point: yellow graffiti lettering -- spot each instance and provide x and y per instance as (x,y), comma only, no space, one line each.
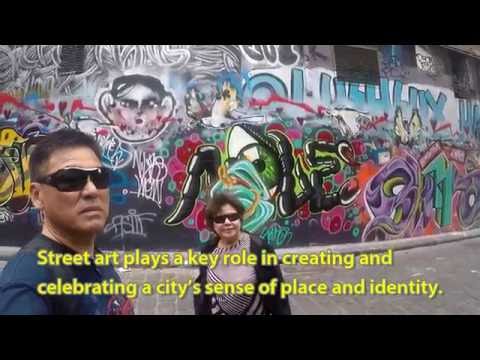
(14,172)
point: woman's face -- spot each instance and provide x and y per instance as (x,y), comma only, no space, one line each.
(227,228)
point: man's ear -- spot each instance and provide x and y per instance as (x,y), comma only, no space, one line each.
(36,195)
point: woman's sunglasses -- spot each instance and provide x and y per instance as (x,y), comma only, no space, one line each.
(75,179)
(221,218)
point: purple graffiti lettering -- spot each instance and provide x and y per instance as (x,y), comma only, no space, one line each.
(469,200)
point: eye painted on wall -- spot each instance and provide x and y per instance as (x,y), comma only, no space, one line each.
(152,104)
(265,163)
(130,104)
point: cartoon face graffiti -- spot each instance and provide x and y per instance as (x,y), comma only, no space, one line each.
(138,107)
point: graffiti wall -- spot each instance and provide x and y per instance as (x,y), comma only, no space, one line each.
(314,160)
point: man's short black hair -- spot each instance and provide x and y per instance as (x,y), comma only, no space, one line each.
(61,139)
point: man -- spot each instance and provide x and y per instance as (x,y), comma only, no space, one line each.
(70,188)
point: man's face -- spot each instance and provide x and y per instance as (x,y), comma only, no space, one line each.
(84,211)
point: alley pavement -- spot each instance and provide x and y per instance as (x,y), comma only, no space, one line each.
(455,266)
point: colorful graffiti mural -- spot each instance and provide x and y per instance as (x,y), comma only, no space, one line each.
(314,159)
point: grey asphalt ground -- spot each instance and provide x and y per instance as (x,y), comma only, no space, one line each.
(455,266)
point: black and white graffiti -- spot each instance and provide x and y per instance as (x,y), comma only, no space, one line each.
(25,68)
(138,107)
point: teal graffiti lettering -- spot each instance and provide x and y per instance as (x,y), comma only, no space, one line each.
(442,173)
(436,106)
(297,85)
(381,104)
(351,94)
(469,117)
(357,96)
(325,91)
(276,235)
(265,81)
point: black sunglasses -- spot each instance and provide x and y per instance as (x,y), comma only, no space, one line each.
(221,218)
(75,179)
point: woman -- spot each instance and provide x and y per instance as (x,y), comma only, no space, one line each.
(224,215)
